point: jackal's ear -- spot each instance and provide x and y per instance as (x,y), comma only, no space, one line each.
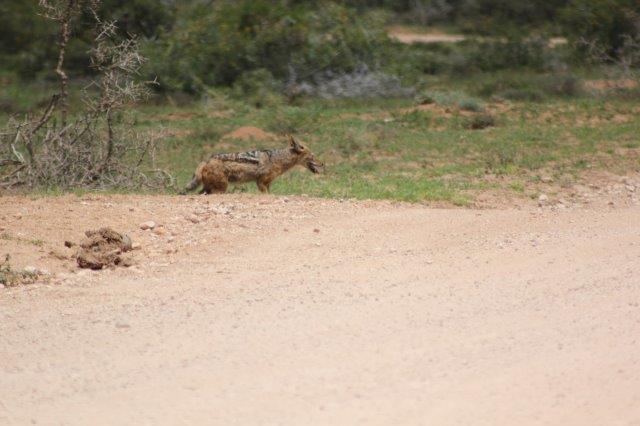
(294,144)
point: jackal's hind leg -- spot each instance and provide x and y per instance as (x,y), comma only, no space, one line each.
(216,187)
(214,178)
(263,187)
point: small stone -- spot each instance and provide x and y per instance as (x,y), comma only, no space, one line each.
(546,179)
(31,270)
(136,246)
(631,188)
(193,218)
(159,231)
(2,286)
(316,230)
(542,199)
(147,225)
(122,325)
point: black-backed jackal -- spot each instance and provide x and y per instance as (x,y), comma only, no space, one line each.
(261,166)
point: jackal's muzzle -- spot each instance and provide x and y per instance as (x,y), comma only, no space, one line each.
(315,167)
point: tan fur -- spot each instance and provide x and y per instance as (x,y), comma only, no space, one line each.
(262,167)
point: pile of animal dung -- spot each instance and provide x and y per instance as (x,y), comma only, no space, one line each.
(103,248)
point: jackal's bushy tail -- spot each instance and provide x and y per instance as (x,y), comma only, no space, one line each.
(196,181)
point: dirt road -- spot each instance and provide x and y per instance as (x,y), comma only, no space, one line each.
(265,310)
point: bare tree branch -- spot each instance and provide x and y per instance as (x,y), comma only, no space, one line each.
(96,146)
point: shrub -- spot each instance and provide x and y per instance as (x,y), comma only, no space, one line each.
(259,88)
(90,148)
(481,121)
(26,35)
(215,45)
(605,24)
(513,53)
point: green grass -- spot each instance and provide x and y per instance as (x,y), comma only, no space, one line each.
(398,149)
(394,150)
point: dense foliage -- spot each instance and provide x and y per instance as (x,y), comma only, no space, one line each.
(216,45)
(26,36)
(277,44)
(612,25)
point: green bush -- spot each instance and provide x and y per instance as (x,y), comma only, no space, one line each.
(28,40)
(496,55)
(605,24)
(259,88)
(480,121)
(473,56)
(215,45)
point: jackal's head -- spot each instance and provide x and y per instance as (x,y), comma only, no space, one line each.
(305,157)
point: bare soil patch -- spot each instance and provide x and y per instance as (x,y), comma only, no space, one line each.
(250,133)
(409,36)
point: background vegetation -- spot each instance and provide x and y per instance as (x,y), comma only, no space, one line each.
(519,96)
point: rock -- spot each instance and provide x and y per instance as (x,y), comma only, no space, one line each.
(316,230)
(193,218)
(147,225)
(546,179)
(543,199)
(630,188)
(136,246)
(2,286)
(32,270)
(159,231)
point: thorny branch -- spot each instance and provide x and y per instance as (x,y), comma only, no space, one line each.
(95,147)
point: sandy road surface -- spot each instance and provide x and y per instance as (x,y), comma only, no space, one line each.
(387,314)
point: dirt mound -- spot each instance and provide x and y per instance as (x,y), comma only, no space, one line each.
(248,133)
(103,248)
